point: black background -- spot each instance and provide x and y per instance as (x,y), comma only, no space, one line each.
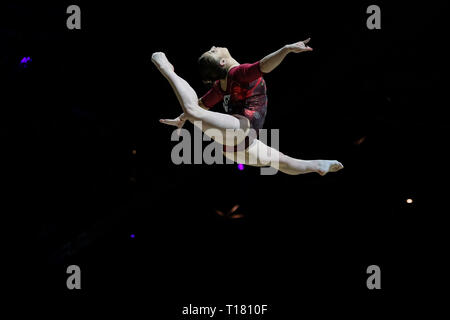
(74,191)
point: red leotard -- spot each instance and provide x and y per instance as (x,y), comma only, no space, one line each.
(245,94)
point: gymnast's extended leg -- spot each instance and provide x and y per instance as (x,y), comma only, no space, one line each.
(189,101)
(260,154)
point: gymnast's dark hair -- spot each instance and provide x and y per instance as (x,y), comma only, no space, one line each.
(210,69)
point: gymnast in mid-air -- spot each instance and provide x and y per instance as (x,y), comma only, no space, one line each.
(242,89)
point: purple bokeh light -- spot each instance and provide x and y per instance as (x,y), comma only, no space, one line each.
(25,59)
(240,166)
(132,235)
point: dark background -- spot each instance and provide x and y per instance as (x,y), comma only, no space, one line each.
(74,191)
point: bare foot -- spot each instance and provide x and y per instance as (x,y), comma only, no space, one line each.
(325,166)
(161,62)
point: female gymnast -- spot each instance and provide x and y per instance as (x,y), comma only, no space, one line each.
(242,89)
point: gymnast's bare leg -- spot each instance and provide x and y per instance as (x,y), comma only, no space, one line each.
(189,101)
(259,154)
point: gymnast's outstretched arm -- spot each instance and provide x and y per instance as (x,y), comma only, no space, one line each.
(273,60)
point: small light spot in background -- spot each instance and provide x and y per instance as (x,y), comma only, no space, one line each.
(240,166)
(24,62)
(25,59)
(359,141)
(133,152)
(231,214)
(409,200)
(132,235)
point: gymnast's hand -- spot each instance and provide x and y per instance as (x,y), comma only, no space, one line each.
(299,46)
(177,122)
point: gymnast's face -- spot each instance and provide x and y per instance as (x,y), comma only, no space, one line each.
(219,53)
